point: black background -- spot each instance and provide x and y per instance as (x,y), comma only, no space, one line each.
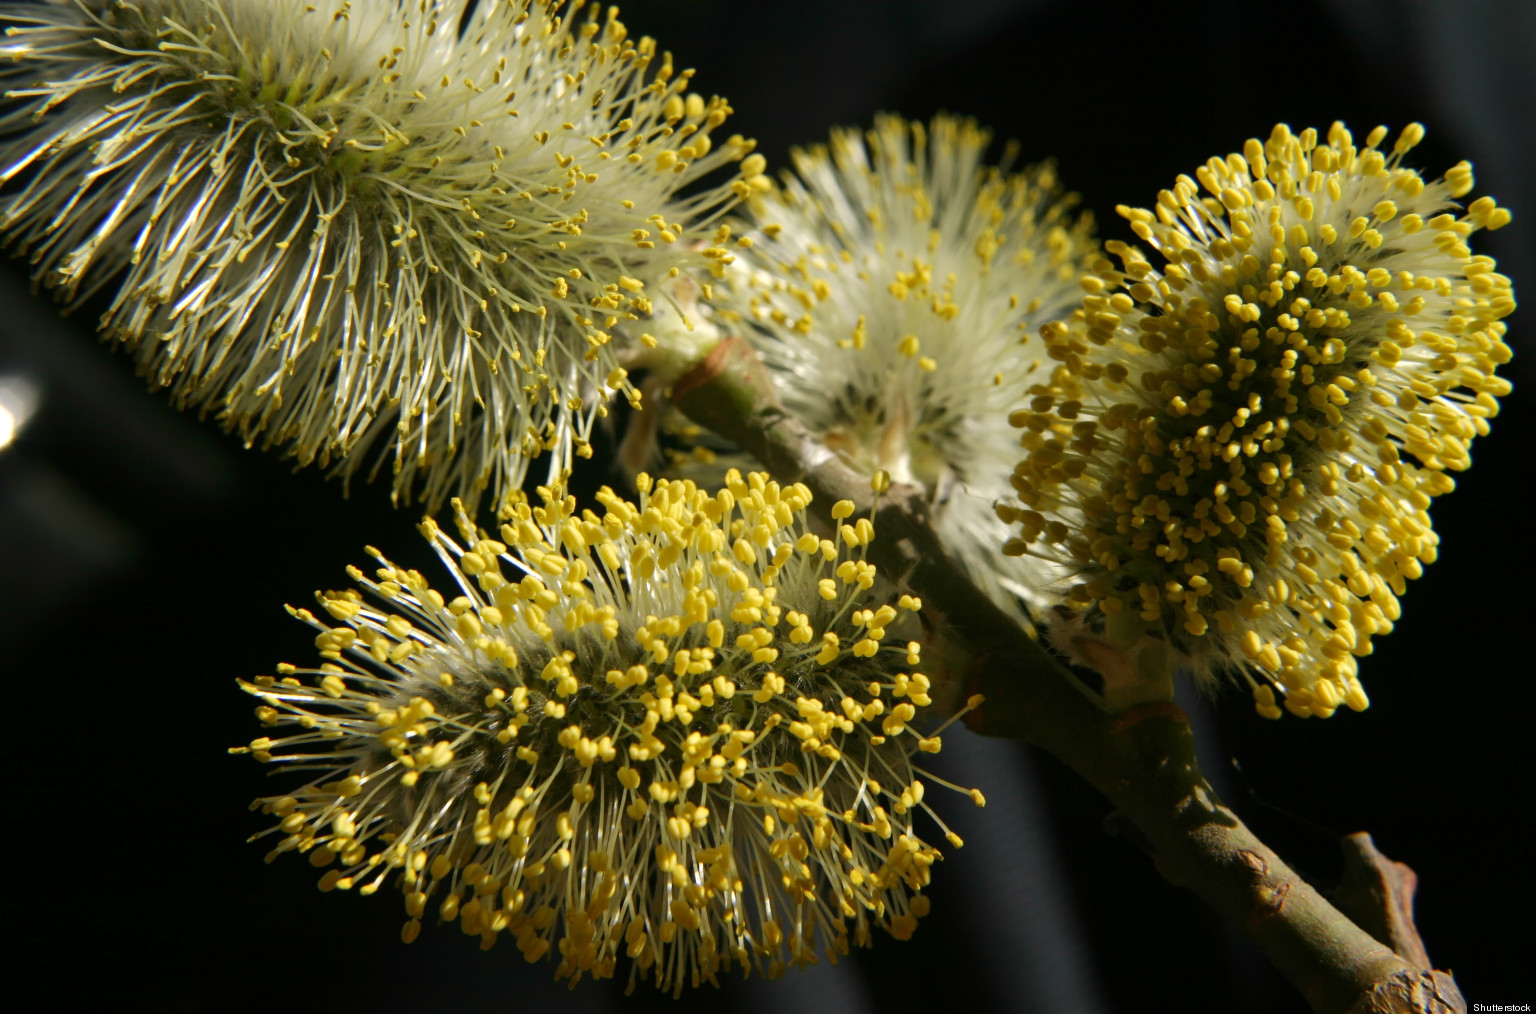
(144,558)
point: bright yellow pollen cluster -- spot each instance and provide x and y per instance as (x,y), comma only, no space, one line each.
(434,215)
(681,731)
(1266,417)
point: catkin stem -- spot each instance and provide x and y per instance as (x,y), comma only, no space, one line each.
(1143,761)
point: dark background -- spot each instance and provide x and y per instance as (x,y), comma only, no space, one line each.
(144,558)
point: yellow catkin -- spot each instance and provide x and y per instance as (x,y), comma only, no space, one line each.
(595,724)
(1268,414)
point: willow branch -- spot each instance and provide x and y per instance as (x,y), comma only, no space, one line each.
(1143,761)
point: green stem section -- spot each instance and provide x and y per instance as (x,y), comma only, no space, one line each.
(1143,760)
